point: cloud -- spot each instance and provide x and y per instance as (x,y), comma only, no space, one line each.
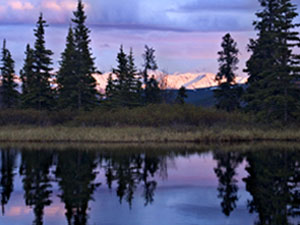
(66,5)
(18,5)
(139,15)
(167,15)
(52,5)
(218,5)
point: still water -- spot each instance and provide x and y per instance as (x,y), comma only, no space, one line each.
(149,186)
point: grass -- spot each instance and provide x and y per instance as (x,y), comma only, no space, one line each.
(149,124)
(31,134)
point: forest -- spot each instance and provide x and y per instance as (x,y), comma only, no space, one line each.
(133,95)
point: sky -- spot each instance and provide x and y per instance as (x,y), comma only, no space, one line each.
(185,33)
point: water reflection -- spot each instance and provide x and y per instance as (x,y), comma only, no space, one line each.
(273,182)
(75,174)
(80,179)
(227,162)
(34,169)
(8,158)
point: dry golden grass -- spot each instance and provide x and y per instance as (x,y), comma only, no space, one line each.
(142,134)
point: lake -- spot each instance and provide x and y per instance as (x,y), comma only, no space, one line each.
(150,185)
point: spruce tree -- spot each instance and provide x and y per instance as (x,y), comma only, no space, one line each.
(152,90)
(27,77)
(66,77)
(273,66)
(9,93)
(85,83)
(134,81)
(43,95)
(120,97)
(228,93)
(181,95)
(125,90)
(110,88)
(149,62)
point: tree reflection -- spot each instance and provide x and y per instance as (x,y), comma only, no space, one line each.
(227,162)
(130,171)
(8,158)
(76,176)
(273,182)
(35,168)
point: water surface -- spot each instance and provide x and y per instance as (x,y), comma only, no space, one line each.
(142,186)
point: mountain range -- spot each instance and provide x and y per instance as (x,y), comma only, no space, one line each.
(190,81)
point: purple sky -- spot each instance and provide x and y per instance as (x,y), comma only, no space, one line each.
(185,33)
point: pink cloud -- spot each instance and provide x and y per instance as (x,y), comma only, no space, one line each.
(18,5)
(52,5)
(69,5)
(63,6)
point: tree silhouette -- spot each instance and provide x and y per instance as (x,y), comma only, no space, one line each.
(273,182)
(76,176)
(181,95)
(227,162)
(84,83)
(273,66)
(9,93)
(66,77)
(8,158)
(42,92)
(27,77)
(228,93)
(133,170)
(36,180)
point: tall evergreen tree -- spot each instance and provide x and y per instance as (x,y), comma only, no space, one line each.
(273,66)
(149,62)
(27,77)
(125,90)
(41,88)
(152,90)
(66,77)
(9,93)
(85,83)
(119,95)
(228,94)
(134,81)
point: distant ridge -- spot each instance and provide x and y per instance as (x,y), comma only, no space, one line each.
(191,81)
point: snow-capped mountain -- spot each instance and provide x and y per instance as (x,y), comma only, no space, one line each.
(190,81)
(174,81)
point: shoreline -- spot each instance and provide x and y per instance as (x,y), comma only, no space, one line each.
(144,135)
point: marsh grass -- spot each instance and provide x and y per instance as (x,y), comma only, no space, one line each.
(143,134)
(147,116)
(149,124)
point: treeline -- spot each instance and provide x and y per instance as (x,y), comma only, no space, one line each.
(272,91)
(73,86)
(153,115)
